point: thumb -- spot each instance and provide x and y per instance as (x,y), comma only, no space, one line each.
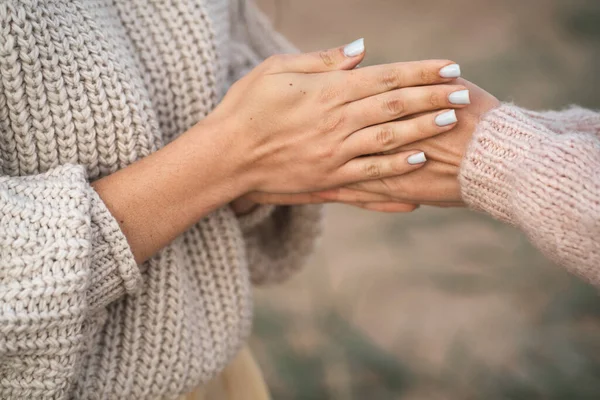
(340,58)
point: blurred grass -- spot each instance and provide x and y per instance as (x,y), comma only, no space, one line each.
(441,304)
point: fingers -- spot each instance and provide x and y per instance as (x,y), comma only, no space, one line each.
(341,58)
(376,201)
(446,204)
(387,207)
(378,167)
(417,187)
(370,81)
(347,195)
(391,135)
(404,102)
(286,199)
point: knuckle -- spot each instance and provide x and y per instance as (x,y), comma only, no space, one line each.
(326,152)
(435,98)
(372,170)
(391,80)
(394,106)
(327,57)
(332,122)
(385,136)
(428,76)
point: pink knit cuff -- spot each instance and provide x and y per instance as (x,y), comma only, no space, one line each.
(500,142)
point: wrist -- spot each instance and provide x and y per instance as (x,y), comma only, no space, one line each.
(215,175)
(231,142)
(503,137)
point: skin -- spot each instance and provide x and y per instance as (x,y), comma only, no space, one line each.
(296,124)
(435,184)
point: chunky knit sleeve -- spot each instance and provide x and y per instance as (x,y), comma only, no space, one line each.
(541,173)
(62,254)
(278,239)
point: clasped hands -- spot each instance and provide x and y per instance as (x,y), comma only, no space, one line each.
(385,138)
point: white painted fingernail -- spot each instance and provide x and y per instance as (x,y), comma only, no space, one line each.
(418,158)
(460,97)
(450,71)
(355,48)
(447,118)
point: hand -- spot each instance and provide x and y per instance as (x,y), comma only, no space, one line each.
(437,182)
(370,201)
(300,123)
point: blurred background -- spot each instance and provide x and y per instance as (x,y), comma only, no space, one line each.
(440,304)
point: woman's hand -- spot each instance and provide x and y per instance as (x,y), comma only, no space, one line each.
(370,201)
(300,123)
(437,182)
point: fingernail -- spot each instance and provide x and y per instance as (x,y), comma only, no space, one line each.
(355,48)
(418,158)
(459,97)
(450,71)
(447,118)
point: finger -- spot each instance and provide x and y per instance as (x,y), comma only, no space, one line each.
(391,135)
(286,199)
(415,187)
(346,195)
(387,207)
(340,58)
(445,204)
(404,102)
(379,167)
(370,81)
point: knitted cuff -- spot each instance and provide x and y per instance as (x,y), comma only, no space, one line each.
(70,243)
(502,139)
(114,270)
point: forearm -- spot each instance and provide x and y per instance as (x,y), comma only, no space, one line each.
(159,197)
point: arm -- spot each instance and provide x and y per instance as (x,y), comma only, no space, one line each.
(537,171)
(159,197)
(544,181)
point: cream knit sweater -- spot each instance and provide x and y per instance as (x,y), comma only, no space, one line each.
(88,87)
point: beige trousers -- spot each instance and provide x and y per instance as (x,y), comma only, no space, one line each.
(241,380)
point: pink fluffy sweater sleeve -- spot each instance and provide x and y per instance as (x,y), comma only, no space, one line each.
(540,171)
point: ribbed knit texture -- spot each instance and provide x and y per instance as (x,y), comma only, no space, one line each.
(86,88)
(540,171)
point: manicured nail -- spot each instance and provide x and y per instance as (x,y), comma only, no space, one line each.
(355,48)
(460,97)
(418,158)
(447,118)
(450,71)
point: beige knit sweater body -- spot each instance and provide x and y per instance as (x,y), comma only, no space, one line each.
(86,88)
